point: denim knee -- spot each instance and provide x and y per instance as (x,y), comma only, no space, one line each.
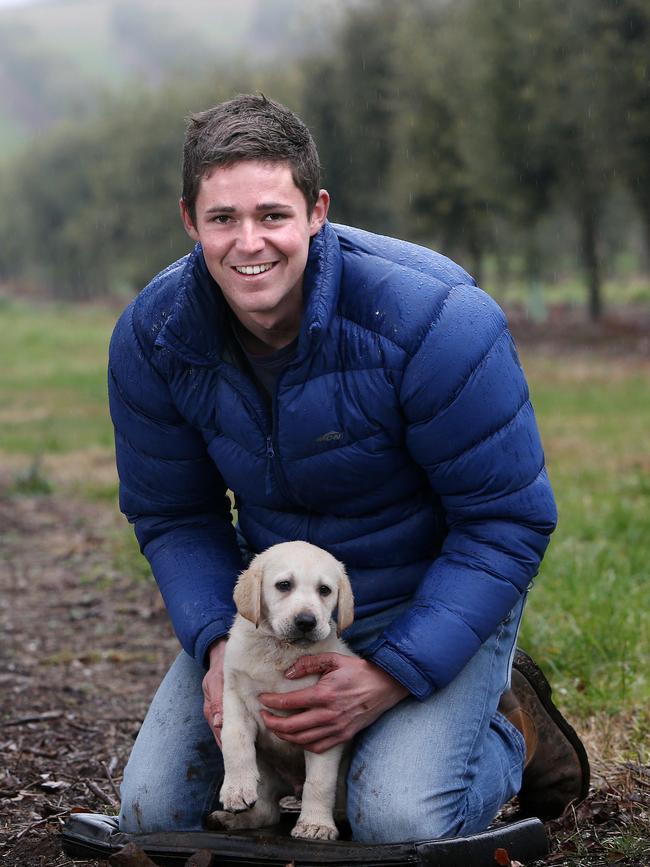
(141,812)
(167,796)
(387,804)
(393,811)
(175,767)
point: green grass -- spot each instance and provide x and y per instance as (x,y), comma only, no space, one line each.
(567,292)
(53,383)
(588,619)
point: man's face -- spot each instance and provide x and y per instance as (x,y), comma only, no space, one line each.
(253,225)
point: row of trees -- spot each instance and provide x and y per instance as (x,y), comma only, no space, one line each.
(477,126)
(493,117)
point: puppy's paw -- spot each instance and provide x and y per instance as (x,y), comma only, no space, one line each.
(237,797)
(308,831)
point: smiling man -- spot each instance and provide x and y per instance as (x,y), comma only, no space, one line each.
(360,393)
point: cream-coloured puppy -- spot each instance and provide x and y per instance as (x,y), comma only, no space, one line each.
(285,602)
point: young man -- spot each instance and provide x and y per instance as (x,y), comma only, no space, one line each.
(363,394)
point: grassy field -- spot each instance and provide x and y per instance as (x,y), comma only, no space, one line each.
(53,383)
(588,618)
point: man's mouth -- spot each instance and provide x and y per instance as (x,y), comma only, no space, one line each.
(251,270)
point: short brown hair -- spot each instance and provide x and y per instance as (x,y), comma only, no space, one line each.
(248,127)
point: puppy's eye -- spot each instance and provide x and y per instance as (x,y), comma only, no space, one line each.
(324,590)
(283,586)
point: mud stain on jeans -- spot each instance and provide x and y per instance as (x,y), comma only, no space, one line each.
(205,748)
(137,811)
(192,772)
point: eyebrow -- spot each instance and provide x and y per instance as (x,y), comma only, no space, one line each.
(262,206)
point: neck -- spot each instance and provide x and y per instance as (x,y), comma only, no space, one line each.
(264,338)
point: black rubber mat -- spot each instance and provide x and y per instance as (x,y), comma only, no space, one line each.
(92,835)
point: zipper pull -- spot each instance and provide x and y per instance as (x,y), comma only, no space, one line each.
(270,454)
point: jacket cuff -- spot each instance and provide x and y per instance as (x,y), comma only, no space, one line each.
(209,634)
(386,657)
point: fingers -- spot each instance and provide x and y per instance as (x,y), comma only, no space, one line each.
(213,701)
(319,663)
(214,718)
(316,737)
(300,722)
(325,744)
(310,696)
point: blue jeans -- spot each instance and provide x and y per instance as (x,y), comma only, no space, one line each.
(424,770)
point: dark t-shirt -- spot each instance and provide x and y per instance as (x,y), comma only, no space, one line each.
(266,369)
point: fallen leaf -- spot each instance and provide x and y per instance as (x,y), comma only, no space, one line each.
(202,858)
(502,858)
(131,856)
(54,785)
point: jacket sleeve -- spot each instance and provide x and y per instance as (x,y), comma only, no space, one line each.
(471,427)
(173,494)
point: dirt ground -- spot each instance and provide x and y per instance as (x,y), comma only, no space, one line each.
(82,653)
(84,647)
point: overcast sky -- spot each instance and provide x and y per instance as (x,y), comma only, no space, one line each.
(6,3)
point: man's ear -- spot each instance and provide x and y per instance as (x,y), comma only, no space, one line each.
(345,603)
(248,592)
(319,213)
(188,222)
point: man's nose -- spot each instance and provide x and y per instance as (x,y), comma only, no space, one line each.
(250,238)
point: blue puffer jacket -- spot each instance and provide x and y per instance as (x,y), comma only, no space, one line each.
(401,439)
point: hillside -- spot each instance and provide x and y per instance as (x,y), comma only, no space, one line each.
(57,57)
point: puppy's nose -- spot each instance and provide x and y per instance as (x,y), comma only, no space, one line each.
(305,621)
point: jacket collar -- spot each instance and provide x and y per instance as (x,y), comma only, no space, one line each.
(195,329)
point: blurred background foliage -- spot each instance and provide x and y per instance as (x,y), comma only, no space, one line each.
(513,135)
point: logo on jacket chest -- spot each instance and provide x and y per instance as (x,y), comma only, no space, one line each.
(331,436)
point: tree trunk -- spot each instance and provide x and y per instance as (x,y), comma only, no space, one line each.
(590,260)
(475,251)
(535,303)
(643,203)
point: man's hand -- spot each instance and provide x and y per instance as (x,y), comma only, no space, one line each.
(351,694)
(213,689)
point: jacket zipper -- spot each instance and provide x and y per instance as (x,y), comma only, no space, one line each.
(273,464)
(274,469)
(270,454)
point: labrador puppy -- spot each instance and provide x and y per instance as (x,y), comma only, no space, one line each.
(285,602)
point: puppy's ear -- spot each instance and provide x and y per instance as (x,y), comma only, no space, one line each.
(345,603)
(248,592)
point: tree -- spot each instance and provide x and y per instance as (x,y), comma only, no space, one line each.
(437,171)
(626,26)
(521,172)
(573,74)
(350,104)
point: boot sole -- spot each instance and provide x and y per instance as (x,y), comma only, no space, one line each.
(538,682)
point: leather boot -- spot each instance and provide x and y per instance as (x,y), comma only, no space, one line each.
(556,772)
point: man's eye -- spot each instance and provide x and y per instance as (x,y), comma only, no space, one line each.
(283,586)
(221,219)
(274,218)
(324,590)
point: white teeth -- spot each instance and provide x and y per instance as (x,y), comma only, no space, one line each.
(253,269)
